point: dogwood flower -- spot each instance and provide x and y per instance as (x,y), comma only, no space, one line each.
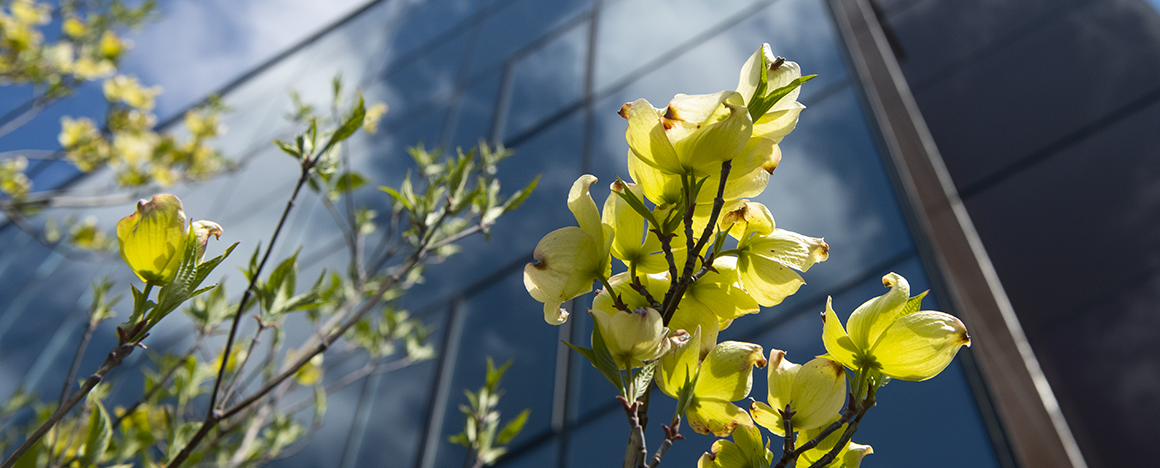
(154,239)
(694,135)
(746,450)
(767,256)
(889,336)
(815,392)
(570,259)
(724,376)
(780,119)
(632,337)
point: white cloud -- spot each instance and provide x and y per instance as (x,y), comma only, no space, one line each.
(200,45)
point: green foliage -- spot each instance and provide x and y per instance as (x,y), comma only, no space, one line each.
(481,431)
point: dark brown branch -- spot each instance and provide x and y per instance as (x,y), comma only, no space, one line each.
(849,432)
(639,288)
(787,452)
(677,287)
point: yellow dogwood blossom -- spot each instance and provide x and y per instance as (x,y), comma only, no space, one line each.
(767,256)
(724,376)
(632,337)
(746,450)
(815,392)
(154,238)
(782,117)
(889,336)
(570,259)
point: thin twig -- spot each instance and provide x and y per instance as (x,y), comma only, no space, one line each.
(848,433)
(643,291)
(113,360)
(307,165)
(214,418)
(163,383)
(636,452)
(233,384)
(76,362)
(347,380)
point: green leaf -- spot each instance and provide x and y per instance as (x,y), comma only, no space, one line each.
(98,436)
(759,108)
(350,181)
(398,196)
(913,304)
(30,458)
(685,398)
(643,379)
(636,204)
(590,355)
(494,375)
(208,266)
(351,125)
(512,428)
(289,148)
(521,195)
(285,276)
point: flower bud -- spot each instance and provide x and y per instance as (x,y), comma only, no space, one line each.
(153,239)
(633,337)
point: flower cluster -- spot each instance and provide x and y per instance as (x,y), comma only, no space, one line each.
(697,254)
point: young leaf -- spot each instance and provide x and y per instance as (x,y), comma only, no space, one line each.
(352,124)
(643,379)
(913,304)
(636,204)
(518,198)
(98,435)
(590,355)
(685,398)
(397,196)
(512,428)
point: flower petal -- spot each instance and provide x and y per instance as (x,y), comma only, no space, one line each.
(839,346)
(567,262)
(789,248)
(707,129)
(782,374)
(767,281)
(647,139)
(870,319)
(659,186)
(680,365)
(767,417)
(751,72)
(584,209)
(716,416)
(692,314)
(633,244)
(819,392)
(727,372)
(721,292)
(920,345)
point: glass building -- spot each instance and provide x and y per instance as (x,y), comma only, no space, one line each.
(996,152)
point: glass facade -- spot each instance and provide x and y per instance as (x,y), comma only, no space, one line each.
(1044,112)
(544,78)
